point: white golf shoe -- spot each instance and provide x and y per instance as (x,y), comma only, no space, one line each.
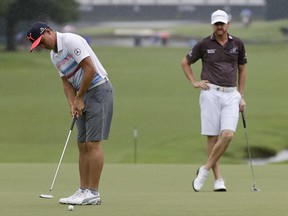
(219,185)
(70,199)
(90,198)
(82,197)
(198,182)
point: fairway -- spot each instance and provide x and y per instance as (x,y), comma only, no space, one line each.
(145,190)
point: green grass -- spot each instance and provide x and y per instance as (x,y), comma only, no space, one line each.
(151,92)
(145,190)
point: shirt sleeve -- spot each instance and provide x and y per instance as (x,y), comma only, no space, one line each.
(242,55)
(76,47)
(194,54)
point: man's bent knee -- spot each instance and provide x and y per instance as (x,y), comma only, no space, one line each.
(228,135)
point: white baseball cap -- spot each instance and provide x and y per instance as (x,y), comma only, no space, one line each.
(219,16)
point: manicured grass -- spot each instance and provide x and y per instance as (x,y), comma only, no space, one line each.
(151,92)
(145,190)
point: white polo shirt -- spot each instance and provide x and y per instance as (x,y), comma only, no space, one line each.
(72,49)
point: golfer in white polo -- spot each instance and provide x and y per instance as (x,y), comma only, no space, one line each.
(90,97)
(222,86)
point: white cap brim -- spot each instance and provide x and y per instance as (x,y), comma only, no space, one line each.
(219,20)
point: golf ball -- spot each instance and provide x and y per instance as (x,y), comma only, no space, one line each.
(70,208)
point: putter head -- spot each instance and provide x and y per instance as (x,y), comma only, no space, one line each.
(255,189)
(46,196)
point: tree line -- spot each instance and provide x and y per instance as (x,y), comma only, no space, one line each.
(14,12)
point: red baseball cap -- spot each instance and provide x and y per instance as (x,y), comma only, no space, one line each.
(35,33)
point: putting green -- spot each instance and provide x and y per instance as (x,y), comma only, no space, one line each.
(137,189)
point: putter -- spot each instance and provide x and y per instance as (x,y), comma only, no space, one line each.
(50,196)
(254,188)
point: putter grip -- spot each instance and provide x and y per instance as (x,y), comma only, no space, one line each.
(243,118)
(73,122)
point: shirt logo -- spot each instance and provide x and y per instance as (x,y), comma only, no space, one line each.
(211,51)
(77,51)
(234,50)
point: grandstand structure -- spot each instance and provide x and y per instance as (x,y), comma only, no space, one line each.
(137,10)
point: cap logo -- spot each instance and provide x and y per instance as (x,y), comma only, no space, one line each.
(30,37)
(42,29)
(219,17)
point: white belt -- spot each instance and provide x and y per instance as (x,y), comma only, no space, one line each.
(222,88)
(105,79)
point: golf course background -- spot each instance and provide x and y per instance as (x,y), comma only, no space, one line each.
(152,94)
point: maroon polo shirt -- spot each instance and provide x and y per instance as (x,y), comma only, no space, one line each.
(219,63)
